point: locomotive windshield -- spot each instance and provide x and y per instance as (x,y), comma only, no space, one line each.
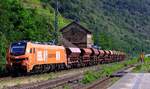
(18,48)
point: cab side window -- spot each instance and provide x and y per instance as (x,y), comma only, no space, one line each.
(30,50)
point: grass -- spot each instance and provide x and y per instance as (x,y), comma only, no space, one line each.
(66,87)
(107,69)
(143,67)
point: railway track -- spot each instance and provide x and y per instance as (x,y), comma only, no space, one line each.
(10,81)
(51,83)
(68,79)
(98,84)
(4,76)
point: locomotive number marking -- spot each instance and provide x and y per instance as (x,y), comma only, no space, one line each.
(58,55)
(39,56)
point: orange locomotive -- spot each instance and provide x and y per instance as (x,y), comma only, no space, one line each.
(23,57)
(28,56)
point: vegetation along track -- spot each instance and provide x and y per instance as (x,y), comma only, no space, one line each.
(105,82)
(49,84)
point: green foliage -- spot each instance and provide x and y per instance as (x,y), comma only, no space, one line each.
(105,41)
(3,43)
(66,87)
(89,76)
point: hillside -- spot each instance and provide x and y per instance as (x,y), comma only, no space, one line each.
(26,20)
(116,24)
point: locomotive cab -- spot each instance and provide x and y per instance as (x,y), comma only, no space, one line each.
(17,60)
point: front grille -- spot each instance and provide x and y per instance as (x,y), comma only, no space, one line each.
(17,60)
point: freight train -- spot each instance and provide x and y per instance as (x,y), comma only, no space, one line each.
(26,57)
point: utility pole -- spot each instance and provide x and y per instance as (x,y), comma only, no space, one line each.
(56,22)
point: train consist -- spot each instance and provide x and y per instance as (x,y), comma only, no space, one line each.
(36,57)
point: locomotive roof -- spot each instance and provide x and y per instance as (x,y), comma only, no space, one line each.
(43,43)
(85,29)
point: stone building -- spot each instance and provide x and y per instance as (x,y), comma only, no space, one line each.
(76,35)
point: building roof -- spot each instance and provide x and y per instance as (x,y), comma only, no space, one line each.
(72,23)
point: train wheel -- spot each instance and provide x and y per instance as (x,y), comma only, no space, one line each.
(68,66)
(78,65)
(62,66)
(14,72)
